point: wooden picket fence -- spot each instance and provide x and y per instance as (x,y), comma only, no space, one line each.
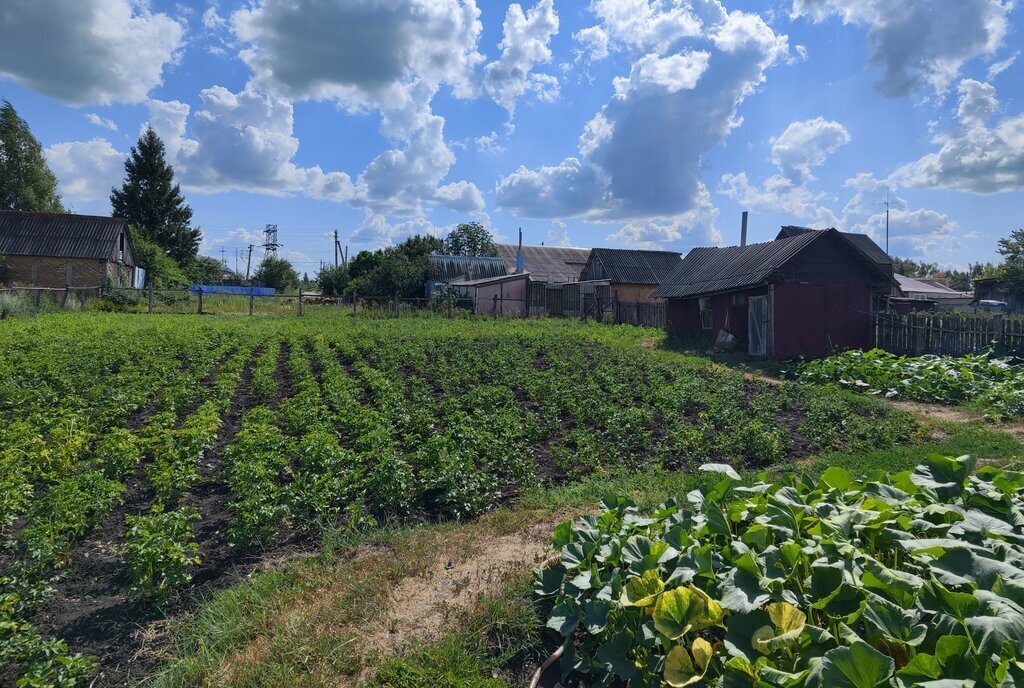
(947,334)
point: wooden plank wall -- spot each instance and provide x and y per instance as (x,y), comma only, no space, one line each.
(947,334)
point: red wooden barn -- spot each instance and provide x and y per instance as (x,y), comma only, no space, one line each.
(807,293)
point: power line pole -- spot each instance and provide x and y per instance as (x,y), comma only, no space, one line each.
(270,244)
(223,260)
(888,204)
(335,248)
(248,263)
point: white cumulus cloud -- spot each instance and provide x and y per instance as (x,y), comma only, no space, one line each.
(524,45)
(86,170)
(807,144)
(87,51)
(918,42)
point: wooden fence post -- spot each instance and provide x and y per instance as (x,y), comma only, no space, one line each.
(449,305)
(149,297)
(396,305)
(300,302)
(252,299)
(200,300)
(355,297)
(494,308)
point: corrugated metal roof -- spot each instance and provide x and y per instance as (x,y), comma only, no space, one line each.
(62,235)
(909,285)
(863,242)
(707,270)
(487,280)
(547,263)
(442,269)
(626,266)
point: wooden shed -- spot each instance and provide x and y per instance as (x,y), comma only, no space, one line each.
(65,251)
(801,295)
(504,295)
(632,274)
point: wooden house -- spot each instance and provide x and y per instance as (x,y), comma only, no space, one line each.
(632,274)
(65,251)
(805,294)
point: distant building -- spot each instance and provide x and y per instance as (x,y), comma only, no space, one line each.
(805,294)
(443,270)
(631,274)
(545,263)
(931,290)
(66,251)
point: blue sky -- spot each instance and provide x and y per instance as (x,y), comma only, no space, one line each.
(638,123)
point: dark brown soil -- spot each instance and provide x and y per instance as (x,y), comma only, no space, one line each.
(91,609)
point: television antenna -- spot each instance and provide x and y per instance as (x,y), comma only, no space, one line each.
(889,204)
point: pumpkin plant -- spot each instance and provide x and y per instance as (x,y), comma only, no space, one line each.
(906,579)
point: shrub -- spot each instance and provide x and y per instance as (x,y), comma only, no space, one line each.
(912,578)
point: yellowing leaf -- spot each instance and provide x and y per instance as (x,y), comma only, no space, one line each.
(702,653)
(643,590)
(686,609)
(679,669)
(786,617)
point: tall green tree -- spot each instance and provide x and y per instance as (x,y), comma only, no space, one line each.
(400,269)
(150,200)
(470,239)
(1012,269)
(26,182)
(277,273)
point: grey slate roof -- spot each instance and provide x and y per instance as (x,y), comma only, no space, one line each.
(862,241)
(707,270)
(626,266)
(443,269)
(710,270)
(63,236)
(544,263)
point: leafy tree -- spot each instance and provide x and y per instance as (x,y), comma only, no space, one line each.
(161,270)
(332,280)
(913,268)
(1012,269)
(470,239)
(151,200)
(398,269)
(204,270)
(277,273)
(26,182)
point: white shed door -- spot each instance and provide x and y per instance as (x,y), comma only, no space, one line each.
(757,325)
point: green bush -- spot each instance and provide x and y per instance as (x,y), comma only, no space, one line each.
(904,579)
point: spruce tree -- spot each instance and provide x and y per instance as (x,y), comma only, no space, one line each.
(152,202)
(26,183)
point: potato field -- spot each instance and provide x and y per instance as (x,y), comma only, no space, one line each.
(145,460)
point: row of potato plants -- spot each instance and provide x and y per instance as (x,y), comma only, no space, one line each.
(995,384)
(900,579)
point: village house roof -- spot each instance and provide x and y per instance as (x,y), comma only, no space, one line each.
(488,280)
(547,263)
(625,266)
(909,285)
(865,243)
(443,269)
(61,235)
(711,270)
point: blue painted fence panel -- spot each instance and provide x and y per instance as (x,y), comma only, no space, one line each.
(228,289)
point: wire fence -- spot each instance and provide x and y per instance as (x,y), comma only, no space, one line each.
(15,300)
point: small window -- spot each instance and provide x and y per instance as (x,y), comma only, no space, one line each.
(739,299)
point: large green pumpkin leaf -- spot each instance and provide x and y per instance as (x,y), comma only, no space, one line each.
(856,666)
(944,475)
(614,655)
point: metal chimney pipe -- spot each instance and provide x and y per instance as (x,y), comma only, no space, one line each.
(743,230)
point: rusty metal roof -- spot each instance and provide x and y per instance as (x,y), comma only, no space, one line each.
(443,269)
(626,266)
(63,236)
(547,263)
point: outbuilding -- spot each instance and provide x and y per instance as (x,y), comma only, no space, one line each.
(632,274)
(805,294)
(63,251)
